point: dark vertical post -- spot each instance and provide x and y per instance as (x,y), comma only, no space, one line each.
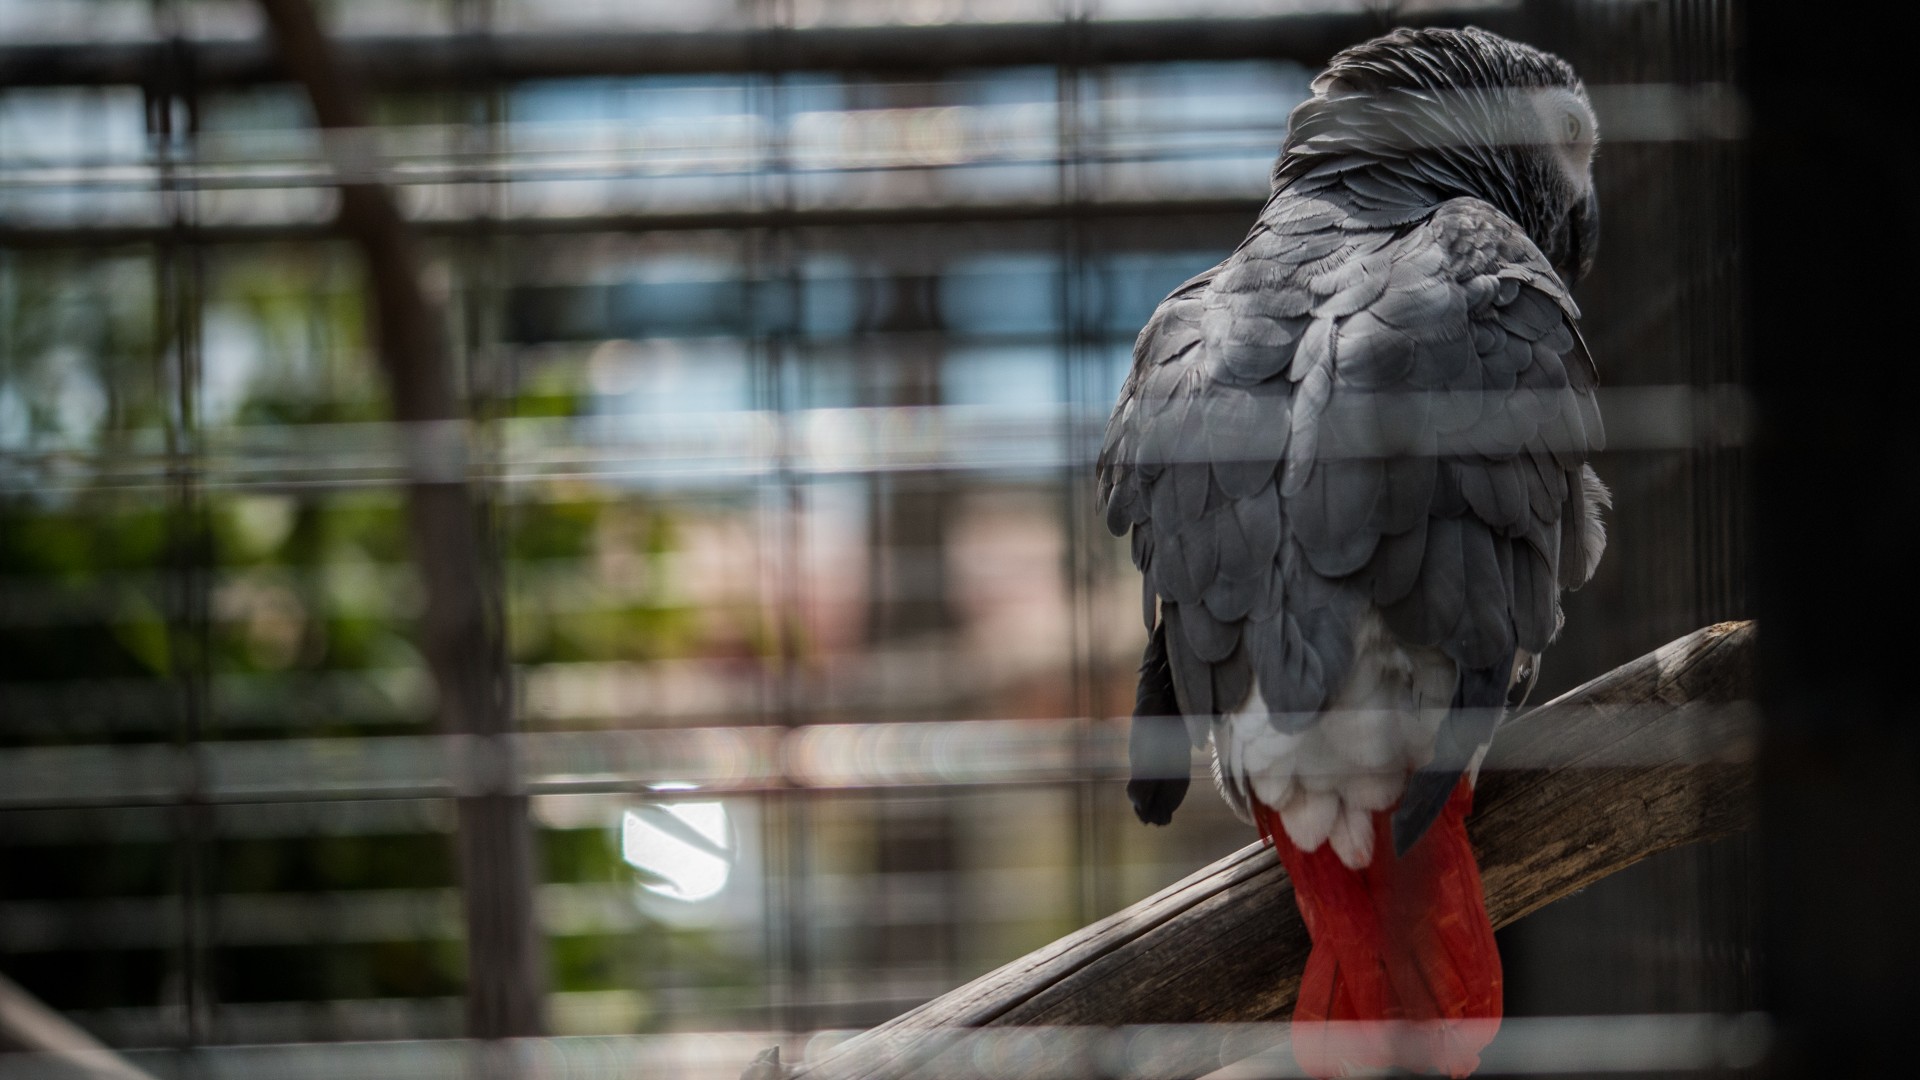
(462,643)
(1833,275)
(900,367)
(1663,308)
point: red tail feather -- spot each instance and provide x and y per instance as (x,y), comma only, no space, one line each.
(1404,939)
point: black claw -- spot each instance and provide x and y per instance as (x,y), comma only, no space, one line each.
(1154,801)
(1157,749)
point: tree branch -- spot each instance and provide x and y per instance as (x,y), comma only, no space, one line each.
(461,643)
(1648,757)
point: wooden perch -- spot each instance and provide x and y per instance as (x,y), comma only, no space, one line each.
(1648,757)
(38,1042)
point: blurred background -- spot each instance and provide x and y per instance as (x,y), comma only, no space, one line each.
(730,644)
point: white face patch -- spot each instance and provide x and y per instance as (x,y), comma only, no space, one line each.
(1568,127)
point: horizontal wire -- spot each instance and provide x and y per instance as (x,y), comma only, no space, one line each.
(705,760)
(749,447)
(1668,1043)
(840,901)
(820,142)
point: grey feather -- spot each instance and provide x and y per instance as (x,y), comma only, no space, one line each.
(1423,303)
(1573,552)
(1251,345)
(1539,386)
(1394,190)
(1290,674)
(1261,523)
(1348,288)
(1549,479)
(1533,598)
(1480,292)
(1495,491)
(1158,425)
(1478,703)
(1501,430)
(1192,681)
(1510,355)
(1316,388)
(1201,555)
(1163,503)
(1190,478)
(1448,502)
(1557,342)
(1569,439)
(1483,632)
(1590,422)
(1142,543)
(1122,496)
(1164,376)
(1246,432)
(1530,314)
(1397,562)
(1326,635)
(1372,353)
(1428,614)
(1233,599)
(1173,571)
(1448,355)
(1455,408)
(1237,558)
(1581,531)
(1406,493)
(1310,248)
(1211,639)
(1315,349)
(1330,515)
(1232,679)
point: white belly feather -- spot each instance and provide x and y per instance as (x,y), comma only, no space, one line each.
(1327,779)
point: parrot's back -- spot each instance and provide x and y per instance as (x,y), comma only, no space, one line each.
(1352,461)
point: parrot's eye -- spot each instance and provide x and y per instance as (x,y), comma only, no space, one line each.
(1572,128)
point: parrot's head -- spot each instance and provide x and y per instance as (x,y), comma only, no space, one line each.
(1459,113)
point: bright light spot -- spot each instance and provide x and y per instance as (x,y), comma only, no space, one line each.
(689,845)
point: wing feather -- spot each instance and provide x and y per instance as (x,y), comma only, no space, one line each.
(1357,409)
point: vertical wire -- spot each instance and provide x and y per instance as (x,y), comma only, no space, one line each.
(475,286)
(171,101)
(1089,886)
(1727,882)
(774,283)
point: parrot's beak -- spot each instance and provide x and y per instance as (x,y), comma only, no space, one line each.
(1583,239)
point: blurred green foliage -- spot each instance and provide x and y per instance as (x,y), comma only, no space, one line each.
(291,609)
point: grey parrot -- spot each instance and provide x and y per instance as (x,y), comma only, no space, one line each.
(1352,460)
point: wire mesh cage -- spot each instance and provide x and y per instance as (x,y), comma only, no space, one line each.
(702,636)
